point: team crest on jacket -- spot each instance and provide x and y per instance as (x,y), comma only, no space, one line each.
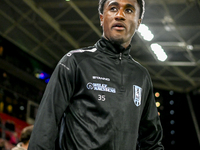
(137,94)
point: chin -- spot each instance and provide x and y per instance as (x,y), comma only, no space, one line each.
(117,40)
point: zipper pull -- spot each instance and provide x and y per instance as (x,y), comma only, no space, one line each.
(120,56)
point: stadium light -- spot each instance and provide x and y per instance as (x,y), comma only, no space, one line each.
(158,51)
(145,32)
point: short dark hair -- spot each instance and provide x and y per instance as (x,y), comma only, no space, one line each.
(26,134)
(140,2)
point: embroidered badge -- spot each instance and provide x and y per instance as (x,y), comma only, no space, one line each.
(137,94)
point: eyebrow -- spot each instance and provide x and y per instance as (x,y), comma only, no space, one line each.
(113,3)
(129,5)
(117,4)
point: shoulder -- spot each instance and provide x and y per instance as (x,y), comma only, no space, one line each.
(82,51)
(74,57)
(79,54)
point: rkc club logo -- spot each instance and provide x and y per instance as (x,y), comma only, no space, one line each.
(137,94)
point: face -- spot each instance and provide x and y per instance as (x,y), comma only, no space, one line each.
(120,20)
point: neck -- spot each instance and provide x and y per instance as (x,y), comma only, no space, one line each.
(125,45)
(25,146)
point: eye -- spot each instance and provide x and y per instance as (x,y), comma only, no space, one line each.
(114,9)
(129,10)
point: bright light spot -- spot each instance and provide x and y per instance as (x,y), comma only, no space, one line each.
(171,92)
(169,27)
(171,102)
(158,113)
(190,47)
(159,52)
(172,112)
(21,107)
(172,122)
(42,75)
(9,108)
(157,104)
(67,0)
(145,32)
(37,75)
(172,132)
(157,94)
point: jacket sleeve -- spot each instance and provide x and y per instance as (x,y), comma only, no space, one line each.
(54,102)
(150,130)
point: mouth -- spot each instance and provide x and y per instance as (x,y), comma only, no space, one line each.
(119,26)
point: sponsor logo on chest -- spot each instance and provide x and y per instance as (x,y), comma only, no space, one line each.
(100,87)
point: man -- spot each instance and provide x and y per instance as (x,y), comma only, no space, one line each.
(99,98)
(24,138)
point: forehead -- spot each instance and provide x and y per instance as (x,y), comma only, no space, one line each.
(122,2)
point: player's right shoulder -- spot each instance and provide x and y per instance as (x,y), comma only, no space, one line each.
(91,49)
(78,55)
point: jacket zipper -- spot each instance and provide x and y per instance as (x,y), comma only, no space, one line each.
(120,57)
(122,84)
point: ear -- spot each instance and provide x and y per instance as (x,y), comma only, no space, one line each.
(101,19)
(139,22)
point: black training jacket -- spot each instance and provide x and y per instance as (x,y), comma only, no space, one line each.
(98,98)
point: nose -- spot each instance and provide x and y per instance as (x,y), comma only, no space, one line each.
(120,15)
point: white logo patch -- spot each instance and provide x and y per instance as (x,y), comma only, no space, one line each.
(100,87)
(137,94)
